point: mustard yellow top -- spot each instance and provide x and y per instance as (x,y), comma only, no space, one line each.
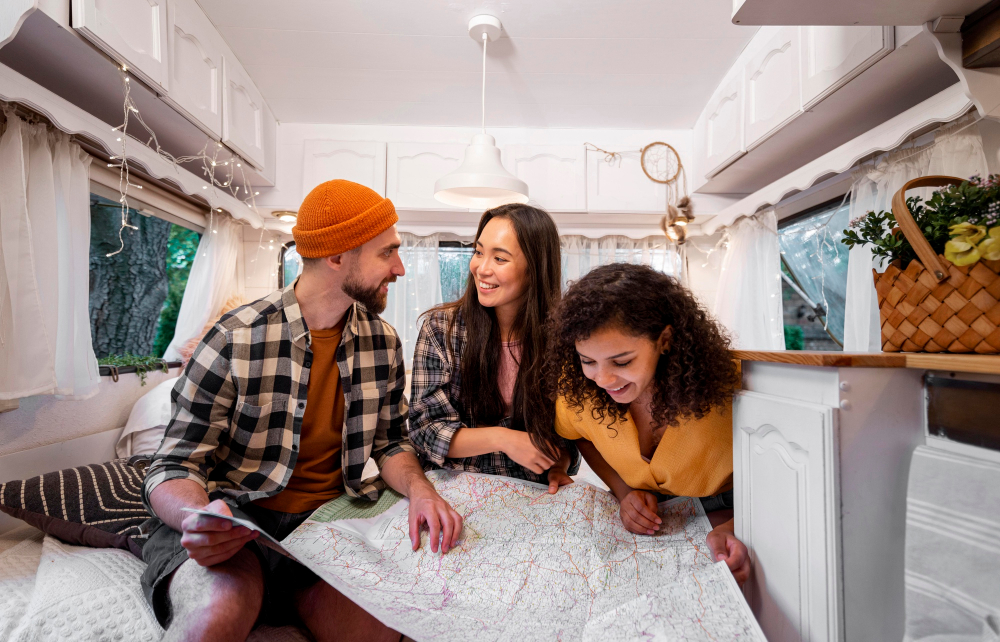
(693,459)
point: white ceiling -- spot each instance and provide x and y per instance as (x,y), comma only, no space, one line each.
(636,64)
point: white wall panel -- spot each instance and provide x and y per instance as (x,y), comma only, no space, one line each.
(556,175)
(772,86)
(621,185)
(134,32)
(413,168)
(832,56)
(195,63)
(361,162)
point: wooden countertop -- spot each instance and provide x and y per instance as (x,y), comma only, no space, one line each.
(952,362)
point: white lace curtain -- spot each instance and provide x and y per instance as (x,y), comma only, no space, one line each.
(415,292)
(957,151)
(748,301)
(581,254)
(45,342)
(212,280)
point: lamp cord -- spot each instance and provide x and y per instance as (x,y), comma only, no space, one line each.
(486,39)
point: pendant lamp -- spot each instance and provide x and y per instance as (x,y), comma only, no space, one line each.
(481,181)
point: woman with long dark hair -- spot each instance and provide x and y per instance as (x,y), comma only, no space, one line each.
(645,383)
(477,400)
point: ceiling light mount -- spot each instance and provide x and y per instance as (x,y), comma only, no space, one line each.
(485,24)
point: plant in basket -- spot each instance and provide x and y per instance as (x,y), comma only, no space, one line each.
(940,289)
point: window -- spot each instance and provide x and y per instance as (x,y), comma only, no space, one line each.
(136,292)
(454,257)
(814,276)
(289,265)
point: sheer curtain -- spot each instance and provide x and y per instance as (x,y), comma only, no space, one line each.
(957,151)
(212,281)
(581,254)
(45,342)
(415,292)
(748,301)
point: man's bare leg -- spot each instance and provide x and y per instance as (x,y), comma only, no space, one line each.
(218,603)
(331,617)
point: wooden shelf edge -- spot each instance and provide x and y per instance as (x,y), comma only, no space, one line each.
(976,363)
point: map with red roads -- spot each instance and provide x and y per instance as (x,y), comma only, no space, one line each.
(533,566)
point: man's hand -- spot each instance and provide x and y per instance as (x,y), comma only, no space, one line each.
(517,445)
(427,507)
(209,540)
(725,547)
(639,514)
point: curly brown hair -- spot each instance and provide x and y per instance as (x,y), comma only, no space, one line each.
(695,375)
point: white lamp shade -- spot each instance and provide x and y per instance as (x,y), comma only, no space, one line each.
(481,181)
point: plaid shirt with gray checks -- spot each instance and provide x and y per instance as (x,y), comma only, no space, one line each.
(436,412)
(237,409)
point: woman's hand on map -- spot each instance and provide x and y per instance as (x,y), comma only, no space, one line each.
(428,508)
(726,547)
(209,540)
(638,511)
(517,445)
(558,476)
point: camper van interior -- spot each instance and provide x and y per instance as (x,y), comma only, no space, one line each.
(522,320)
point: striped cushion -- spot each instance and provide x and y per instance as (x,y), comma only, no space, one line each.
(98,505)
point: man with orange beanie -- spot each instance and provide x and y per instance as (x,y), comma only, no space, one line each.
(281,406)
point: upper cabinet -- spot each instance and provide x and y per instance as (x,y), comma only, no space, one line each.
(722,126)
(243,113)
(621,185)
(196,55)
(832,56)
(361,162)
(413,168)
(772,85)
(556,174)
(133,32)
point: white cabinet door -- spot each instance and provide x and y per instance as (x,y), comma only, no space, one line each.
(242,113)
(133,32)
(773,96)
(360,162)
(413,168)
(196,53)
(788,515)
(556,174)
(832,56)
(621,185)
(722,130)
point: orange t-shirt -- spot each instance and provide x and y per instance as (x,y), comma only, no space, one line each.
(317,477)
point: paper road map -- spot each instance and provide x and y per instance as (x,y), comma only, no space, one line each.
(532,566)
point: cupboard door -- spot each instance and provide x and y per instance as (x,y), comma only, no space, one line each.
(133,32)
(242,113)
(723,126)
(621,185)
(360,162)
(773,96)
(413,168)
(556,174)
(832,56)
(196,52)
(788,515)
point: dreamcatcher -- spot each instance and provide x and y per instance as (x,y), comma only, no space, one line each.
(661,164)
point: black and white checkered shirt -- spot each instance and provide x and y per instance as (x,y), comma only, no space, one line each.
(237,409)
(436,411)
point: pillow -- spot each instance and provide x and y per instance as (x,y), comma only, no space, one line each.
(98,505)
(147,422)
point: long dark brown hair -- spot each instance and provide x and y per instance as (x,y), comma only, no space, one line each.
(530,410)
(695,374)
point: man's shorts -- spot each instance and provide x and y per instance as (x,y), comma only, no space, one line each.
(283,576)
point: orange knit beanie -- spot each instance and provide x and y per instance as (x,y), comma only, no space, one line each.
(338,216)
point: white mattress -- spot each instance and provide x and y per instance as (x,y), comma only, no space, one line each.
(53,591)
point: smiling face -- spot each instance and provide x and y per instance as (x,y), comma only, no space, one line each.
(499,266)
(622,364)
(373,267)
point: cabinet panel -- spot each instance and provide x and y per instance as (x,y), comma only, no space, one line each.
(196,53)
(832,56)
(133,32)
(723,127)
(361,162)
(556,174)
(413,168)
(773,96)
(242,113)
(621,185)
(787,514)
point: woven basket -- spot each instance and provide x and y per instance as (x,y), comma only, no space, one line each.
(934,305)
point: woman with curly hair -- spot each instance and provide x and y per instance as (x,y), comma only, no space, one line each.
(645,383)
(477,365)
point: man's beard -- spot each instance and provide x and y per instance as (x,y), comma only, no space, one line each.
(369,296)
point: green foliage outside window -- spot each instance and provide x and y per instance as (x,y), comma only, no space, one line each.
(181,250)
(794,337)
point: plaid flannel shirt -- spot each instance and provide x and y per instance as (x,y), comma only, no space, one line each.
(237,409)
(436,411)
